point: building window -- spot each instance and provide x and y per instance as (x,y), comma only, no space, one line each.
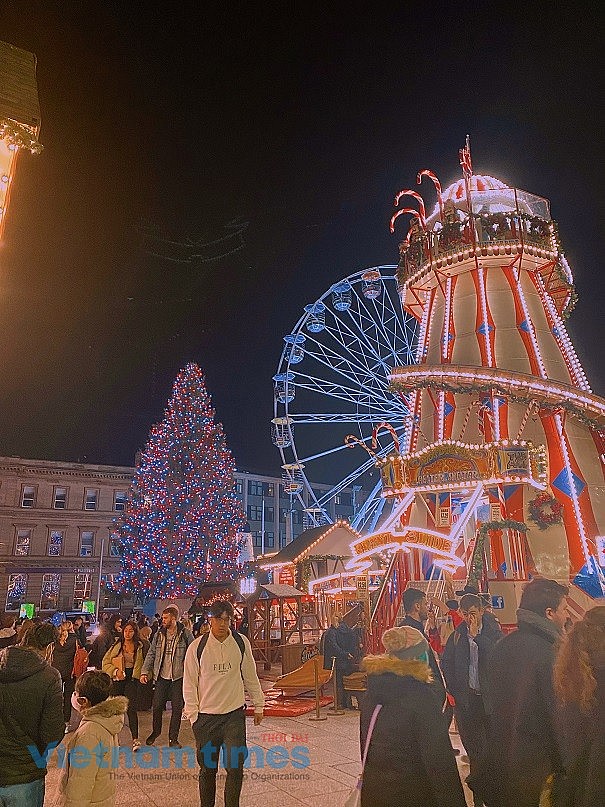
(55,542)
(16,591)
(239,486)
(90,499)
(269,540)
(49,598)
(282,539)
(60,498)
(257,539)
(296,517)
(28,496)
(87,539)
(269,489)
(269,514)
(115,548)
(120,497)
(255,488)
(23,541)
(82,588)
(255,512)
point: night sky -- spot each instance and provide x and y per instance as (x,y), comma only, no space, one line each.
(182,118)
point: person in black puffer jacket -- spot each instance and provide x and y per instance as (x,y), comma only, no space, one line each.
(410,761)
(30,715)
(62,659)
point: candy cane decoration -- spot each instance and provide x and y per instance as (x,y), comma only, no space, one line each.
(471,406)
(414,213)
(417,197)
(427,173)
(390,429)
(351,441)
(532,407)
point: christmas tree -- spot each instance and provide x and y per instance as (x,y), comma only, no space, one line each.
(180,527)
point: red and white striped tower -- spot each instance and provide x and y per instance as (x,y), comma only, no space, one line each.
(489,284)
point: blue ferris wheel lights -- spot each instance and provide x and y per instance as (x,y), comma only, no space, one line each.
(316,319)
(283,387)
(295,347)
(341,296)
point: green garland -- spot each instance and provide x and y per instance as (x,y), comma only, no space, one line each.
(476,567)
(469,389)
(19,135)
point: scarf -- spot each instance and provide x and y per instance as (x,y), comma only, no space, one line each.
(544,625)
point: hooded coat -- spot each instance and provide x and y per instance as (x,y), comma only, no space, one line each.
(410,760)
(522,748)
(92,784)
(31,713)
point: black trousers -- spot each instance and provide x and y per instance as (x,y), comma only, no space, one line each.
(211,733)
(68,690)
(167,690)
(129,687)
(473,725)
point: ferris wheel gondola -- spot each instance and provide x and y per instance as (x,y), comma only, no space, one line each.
(332,380)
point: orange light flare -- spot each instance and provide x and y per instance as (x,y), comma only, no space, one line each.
(8,158)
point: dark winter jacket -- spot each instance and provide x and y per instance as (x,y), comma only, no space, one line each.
(582,746)
(81,635)
(410,761)
(339,645)
(456,658)
(438,685)
(31,713)
(522,749)
(63,656)
(101,644)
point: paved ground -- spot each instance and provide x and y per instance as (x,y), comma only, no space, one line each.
(335,762)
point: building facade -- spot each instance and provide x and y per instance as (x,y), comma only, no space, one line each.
(56,520)
(55,532)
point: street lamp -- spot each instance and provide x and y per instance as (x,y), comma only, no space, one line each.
(100,575)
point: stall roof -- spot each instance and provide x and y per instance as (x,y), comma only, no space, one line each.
(281,590)
(330,539)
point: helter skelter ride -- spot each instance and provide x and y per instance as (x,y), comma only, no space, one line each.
(492,467)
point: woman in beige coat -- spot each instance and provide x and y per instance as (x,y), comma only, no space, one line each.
(92,784)
(122,663)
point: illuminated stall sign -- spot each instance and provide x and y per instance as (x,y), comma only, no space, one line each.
(448,464)
(286,576)
(363,590)
(440,545)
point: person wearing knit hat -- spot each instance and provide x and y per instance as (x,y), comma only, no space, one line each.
(410,761)
(406,643)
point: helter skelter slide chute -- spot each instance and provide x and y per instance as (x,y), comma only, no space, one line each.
(499,476)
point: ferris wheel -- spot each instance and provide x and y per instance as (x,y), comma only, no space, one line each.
(332,381)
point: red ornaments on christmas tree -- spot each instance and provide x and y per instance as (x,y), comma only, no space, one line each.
(183,516)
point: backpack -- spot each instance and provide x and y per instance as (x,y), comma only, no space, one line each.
(238,638)
(80,662)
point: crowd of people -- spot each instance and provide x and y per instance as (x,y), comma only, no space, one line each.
(47,674)
(529,705)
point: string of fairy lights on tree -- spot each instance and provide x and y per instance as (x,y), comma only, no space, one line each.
(181,524)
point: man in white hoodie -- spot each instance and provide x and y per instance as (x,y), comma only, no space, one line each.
(218,666)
